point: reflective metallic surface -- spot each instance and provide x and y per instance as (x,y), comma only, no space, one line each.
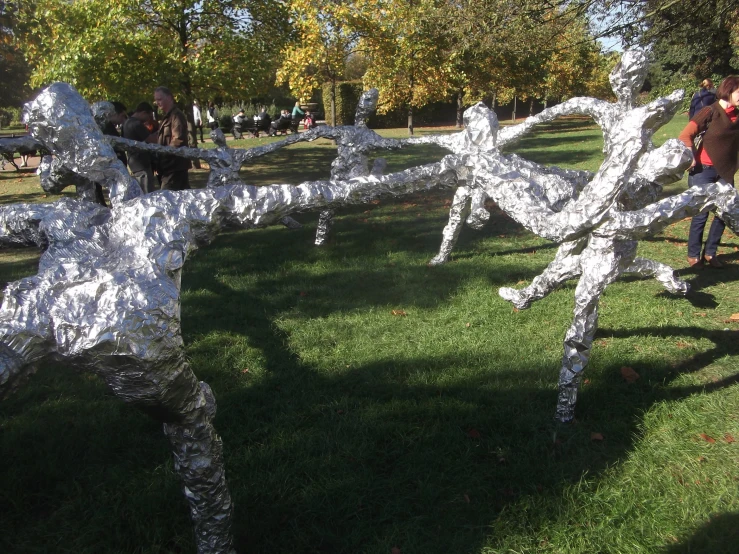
(106,297)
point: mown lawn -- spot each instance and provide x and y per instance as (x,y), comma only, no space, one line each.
(369,402)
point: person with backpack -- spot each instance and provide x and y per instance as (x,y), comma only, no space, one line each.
(714,158)
(705,96)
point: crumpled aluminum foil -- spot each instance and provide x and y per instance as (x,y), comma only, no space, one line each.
(106,296)
(62,121)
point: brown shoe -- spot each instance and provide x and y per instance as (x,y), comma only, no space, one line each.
(695,263)
(713,262)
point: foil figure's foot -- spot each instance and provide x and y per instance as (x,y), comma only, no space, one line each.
(565,412)
(439,259)
(516,297)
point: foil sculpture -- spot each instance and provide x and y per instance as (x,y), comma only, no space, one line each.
(107,293)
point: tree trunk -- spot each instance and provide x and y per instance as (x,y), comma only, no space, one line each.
(410,120)
(531,107)
(513,115)
(333,102)
(460,109)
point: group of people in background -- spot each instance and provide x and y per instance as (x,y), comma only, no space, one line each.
(141,125)
(175,128)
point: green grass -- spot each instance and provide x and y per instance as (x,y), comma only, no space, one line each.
(348,429)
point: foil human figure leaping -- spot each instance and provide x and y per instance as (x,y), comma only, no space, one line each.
(107,293)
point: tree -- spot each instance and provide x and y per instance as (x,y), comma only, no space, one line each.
(124,48)
(406,53)
(14,71)
(323,40)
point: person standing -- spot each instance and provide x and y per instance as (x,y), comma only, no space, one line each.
(212,116)
(172,132)
(197,117)
(297,111)
(139,163)
(705,96)
(715,158)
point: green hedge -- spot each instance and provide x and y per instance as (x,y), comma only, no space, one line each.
(347,96)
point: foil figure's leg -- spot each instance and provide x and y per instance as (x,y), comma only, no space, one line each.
(325,222)
(457,214)
(565,266)
(479,215)
(601,263)
(662,272)
(170,392)
(198,454)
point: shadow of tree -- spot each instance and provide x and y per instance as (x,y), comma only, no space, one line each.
(719,535)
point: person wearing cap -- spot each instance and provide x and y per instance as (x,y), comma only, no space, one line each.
(140,163)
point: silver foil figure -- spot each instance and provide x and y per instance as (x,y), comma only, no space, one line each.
(106,297)
(61,119)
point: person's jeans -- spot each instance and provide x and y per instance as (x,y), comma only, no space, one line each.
(703,176)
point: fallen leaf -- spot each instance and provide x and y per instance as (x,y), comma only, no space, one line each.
(629,375)
(340,412)
(245,370)
(473,433)
(596,436)
(586,382)
(734,317)
(399,312)
(729,438)
(521,282)
(700,314)
(467,498)
(303,293)
(467,324)
(682,344)
(707,438)
(701,459)
(395,550)
(515,310)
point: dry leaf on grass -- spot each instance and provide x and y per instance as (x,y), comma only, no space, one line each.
(700,314)
(473,433)
(629,375)
(398,312)
(707,438)
(395,550)
(596,436)
(734,317)
(729,438)
(467,498)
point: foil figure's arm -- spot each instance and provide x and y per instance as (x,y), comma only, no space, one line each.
(631,138)
(662,272)
(19,224)
(565,266)
(601,111)
(658,215)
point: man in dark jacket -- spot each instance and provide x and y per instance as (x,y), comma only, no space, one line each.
(172,170)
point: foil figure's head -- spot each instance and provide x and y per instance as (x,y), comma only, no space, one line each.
(628,76)
(218,138)
(366,106)
(481,128)
(102,112)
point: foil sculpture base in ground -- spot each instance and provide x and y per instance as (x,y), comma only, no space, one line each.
(107,293)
